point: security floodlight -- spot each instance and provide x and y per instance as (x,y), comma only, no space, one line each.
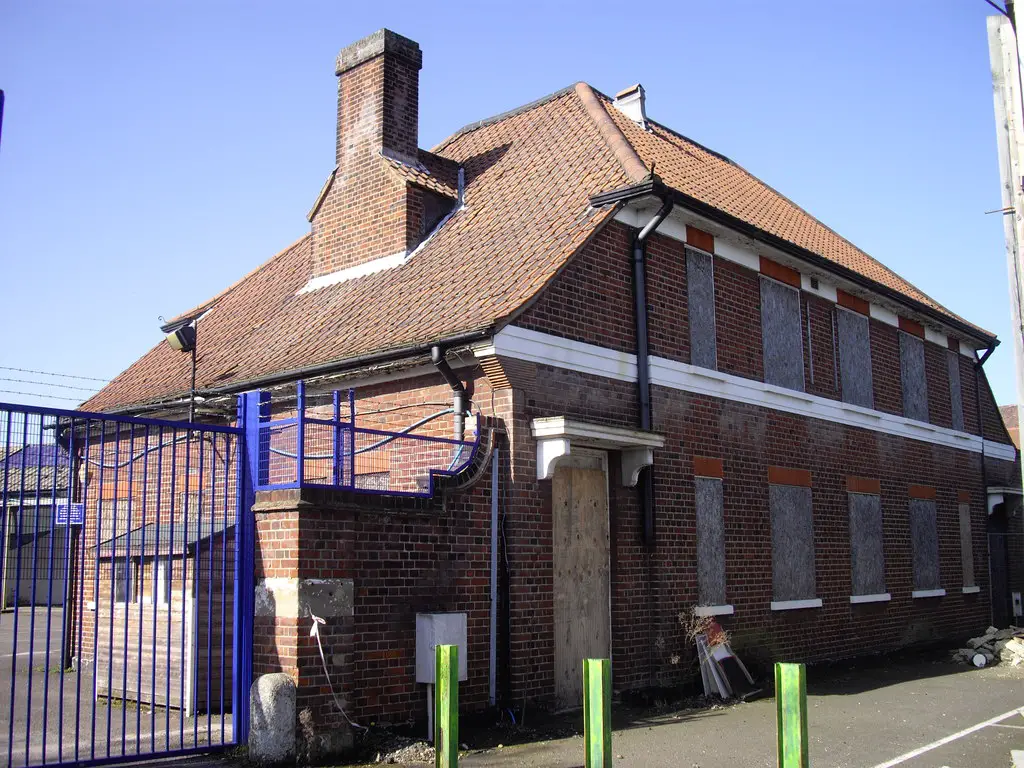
(183,339)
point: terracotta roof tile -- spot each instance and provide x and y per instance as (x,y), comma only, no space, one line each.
(528,175)
(528,181)
(712,178)
(441,175)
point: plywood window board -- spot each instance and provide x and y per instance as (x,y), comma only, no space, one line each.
(855,358)
(867,558)
(924,541)
(710,541)
(782,335)
(793,562)
(912,377)
(700,287)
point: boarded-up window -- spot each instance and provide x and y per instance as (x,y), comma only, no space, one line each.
(792,542)
(854,357)
(781,334)
(955,398)
(700,288)
(915,387)
(710,541)
(966,545)
(867,559)
(924,541)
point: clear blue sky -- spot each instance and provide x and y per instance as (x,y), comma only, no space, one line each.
(152,153)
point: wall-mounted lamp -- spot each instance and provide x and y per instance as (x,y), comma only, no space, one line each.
(183,337)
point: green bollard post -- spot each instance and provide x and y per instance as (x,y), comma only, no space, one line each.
(446,706)
(791,715)
(597,712)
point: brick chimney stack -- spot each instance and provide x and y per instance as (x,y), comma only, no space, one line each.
(365,212)
(378,97)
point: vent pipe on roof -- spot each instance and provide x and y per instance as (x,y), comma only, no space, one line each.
(633,104)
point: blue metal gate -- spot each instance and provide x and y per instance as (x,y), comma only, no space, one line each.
(125,578)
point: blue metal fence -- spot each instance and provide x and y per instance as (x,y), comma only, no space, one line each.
(303,450)
(125,586)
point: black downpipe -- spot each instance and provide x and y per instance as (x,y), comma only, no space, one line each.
(643,373)
(460,398)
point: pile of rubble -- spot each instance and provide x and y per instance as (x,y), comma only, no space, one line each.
(996,645)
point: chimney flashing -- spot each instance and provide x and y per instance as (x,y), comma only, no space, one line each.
(632,103)
(380,42)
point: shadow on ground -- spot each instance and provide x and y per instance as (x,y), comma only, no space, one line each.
(853,676)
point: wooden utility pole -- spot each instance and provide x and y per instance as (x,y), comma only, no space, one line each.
(1004,54)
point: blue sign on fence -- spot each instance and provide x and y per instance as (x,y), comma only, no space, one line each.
(77,516)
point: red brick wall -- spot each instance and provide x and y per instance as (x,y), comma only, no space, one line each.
(667,300)
(885,367)
(738,320)
(592,299)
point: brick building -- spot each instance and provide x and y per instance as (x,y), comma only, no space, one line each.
(698,397)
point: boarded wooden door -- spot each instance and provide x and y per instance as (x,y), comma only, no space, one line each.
(581,576)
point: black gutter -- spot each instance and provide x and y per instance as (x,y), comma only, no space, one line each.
(658,189)
(338,366)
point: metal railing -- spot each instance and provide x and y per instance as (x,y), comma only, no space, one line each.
(306,451)
(119,583)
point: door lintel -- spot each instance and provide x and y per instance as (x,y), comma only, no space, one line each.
(557,435)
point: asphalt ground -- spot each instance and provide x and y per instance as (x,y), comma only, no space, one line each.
(909,711)
(56,716)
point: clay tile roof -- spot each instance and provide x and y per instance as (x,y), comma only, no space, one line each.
(694,170)
(439,180)
(528,180)
(1009,416)
(529,175)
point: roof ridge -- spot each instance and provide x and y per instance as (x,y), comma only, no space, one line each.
(470,127)
(612,135)
(198,309)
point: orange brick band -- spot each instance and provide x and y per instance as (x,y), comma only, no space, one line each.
(777,271)
(910,326)
(856,484)
(789,476)
(964,497)
(857,304)
(921,492)
(705,467)
(698,238)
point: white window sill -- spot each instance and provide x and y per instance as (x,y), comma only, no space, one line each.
(795,605)
(881,597)
(713,610)
(971,590)
(928,593)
